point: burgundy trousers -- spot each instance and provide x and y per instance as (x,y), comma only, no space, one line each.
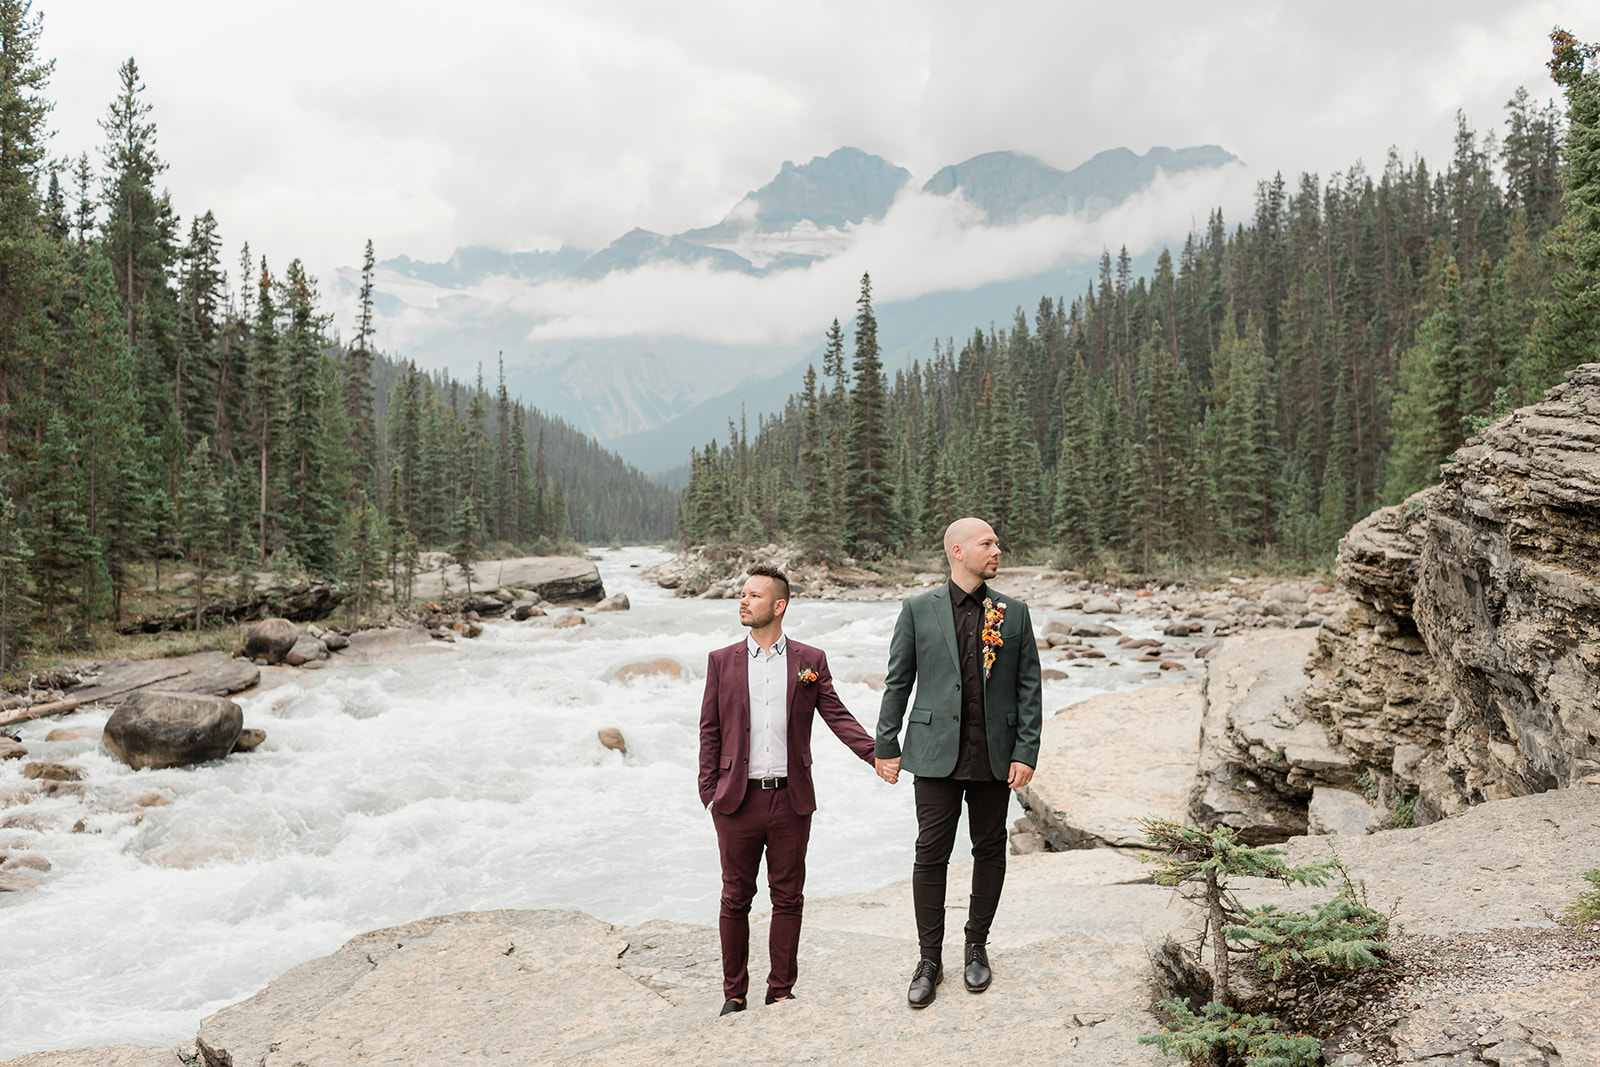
(766,821)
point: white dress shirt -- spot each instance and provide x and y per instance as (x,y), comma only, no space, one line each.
(769,709)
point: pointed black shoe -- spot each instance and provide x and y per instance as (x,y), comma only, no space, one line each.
(731,1006)
(924,983)
(977,976)
(780,1000)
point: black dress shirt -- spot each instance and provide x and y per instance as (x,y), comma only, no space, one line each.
(972,755)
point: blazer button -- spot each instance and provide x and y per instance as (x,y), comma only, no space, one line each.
(958,685)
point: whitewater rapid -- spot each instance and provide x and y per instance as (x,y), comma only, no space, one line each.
(464,780)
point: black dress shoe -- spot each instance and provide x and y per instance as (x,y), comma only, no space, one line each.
(924,983)
(779,1000)
(731,1006)
(977,975)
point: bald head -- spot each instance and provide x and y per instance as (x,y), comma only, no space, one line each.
(973,551)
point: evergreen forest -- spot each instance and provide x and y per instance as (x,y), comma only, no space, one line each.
(1245,403)
(154,418)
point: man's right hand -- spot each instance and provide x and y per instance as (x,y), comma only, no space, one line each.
(888,769)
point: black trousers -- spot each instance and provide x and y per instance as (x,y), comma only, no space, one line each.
(938,813)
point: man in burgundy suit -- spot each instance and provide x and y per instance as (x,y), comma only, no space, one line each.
(755,776)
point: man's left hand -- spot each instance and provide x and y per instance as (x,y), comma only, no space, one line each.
(1021,774)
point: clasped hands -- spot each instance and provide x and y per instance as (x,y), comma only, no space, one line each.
(889,770)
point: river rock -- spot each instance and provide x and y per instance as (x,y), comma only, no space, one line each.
(52,772)
(523,610)
(614,602)
(1094,629)
(68,733)
(161,729)
(1106,763)
(23,882)
(271,640)
(249,740)
(660,667)
(572,619)
(334,641)
(611,737)
(1101,605)
(10,749)
(305,649)
(26,861)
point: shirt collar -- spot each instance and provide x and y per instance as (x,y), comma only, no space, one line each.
(779,647)
(959,595)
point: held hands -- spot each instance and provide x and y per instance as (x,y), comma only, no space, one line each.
(888,769)
(1021,774)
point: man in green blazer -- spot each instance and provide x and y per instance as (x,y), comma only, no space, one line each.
(972,733)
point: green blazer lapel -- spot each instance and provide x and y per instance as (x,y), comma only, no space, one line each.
(947,624)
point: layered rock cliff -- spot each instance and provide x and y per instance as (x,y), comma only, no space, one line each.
(1466,665)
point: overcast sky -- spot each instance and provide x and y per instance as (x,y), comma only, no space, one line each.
(310,125)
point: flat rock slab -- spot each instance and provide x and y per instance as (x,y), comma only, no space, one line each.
(211,673)
(1509,864)
(1110,761)
(559,579)
(563,988)
(114,1056)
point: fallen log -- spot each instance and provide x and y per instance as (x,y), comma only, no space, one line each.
(40,711)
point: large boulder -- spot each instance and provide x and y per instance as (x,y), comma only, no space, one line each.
(154,728)
(559,579)
(271,639)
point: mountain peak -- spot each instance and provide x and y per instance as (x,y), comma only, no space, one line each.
(1012,187)
(845,187)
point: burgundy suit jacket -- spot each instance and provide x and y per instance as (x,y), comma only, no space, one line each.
(725,725)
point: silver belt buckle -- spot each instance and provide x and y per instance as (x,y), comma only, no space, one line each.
(768,783)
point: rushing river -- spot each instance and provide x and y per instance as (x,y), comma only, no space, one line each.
(464,780)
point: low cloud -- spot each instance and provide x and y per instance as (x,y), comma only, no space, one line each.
(924,244)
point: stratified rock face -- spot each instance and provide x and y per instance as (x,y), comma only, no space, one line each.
(159,729)
(1373,683)
(1508,596)
(1258,759)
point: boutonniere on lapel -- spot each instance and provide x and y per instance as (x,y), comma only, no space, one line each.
(807,676)
(994,613)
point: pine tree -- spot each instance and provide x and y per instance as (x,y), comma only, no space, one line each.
(464,527)
(265,404)
(16,606)
(356,382)
(307,504)
(814,520)
(64,548)
(202,521)
(870,524)
(25,253)
(1568,329)
(364,562)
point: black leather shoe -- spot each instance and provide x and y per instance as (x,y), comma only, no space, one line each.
(977,975)
(924,984)
(779,1000)
(731,1006)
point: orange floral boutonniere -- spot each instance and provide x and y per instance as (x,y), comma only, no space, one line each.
(994,613)
(806,676)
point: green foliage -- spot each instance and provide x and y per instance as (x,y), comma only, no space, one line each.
(1190,854)
(1586,908)
(1336,937)
(1217,1033)
(1568,328)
